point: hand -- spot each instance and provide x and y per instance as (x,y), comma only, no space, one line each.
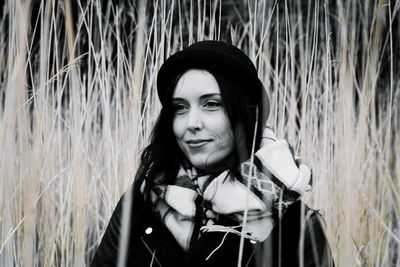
(276,156)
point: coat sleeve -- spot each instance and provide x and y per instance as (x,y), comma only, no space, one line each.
(299,239)
(316,251)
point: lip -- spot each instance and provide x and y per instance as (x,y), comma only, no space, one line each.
(196,143)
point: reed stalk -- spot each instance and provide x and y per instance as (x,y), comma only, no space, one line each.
(78,102)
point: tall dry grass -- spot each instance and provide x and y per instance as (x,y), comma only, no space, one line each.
(77,104)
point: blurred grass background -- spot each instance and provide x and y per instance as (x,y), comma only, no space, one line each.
(78,101)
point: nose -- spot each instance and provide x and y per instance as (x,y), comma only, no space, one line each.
(194,122)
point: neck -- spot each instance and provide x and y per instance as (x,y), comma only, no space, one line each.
(228,163)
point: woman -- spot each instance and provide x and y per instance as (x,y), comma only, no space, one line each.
(214,187)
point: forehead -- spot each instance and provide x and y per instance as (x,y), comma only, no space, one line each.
(195,83)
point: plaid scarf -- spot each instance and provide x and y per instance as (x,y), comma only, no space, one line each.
(194,203)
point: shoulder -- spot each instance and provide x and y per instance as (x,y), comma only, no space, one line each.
(148,243)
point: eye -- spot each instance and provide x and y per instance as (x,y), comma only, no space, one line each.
(179,108)
(212,105)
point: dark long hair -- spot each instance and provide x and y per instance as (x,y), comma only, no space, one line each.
(162,157)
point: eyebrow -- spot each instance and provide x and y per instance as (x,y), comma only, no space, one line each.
(201,97)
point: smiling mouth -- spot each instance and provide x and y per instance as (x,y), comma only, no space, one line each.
(197,143)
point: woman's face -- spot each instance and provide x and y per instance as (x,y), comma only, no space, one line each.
(200,123)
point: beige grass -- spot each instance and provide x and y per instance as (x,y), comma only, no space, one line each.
(77,105)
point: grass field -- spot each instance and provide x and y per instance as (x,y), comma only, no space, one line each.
(78,101)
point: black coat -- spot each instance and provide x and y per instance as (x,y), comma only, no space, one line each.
(159,247)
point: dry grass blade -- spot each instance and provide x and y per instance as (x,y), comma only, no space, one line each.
(78,102)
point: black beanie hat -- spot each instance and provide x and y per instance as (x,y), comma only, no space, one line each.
(214,56)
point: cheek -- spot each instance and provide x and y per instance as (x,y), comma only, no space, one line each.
(228,137)
(224,130)
(177,128)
